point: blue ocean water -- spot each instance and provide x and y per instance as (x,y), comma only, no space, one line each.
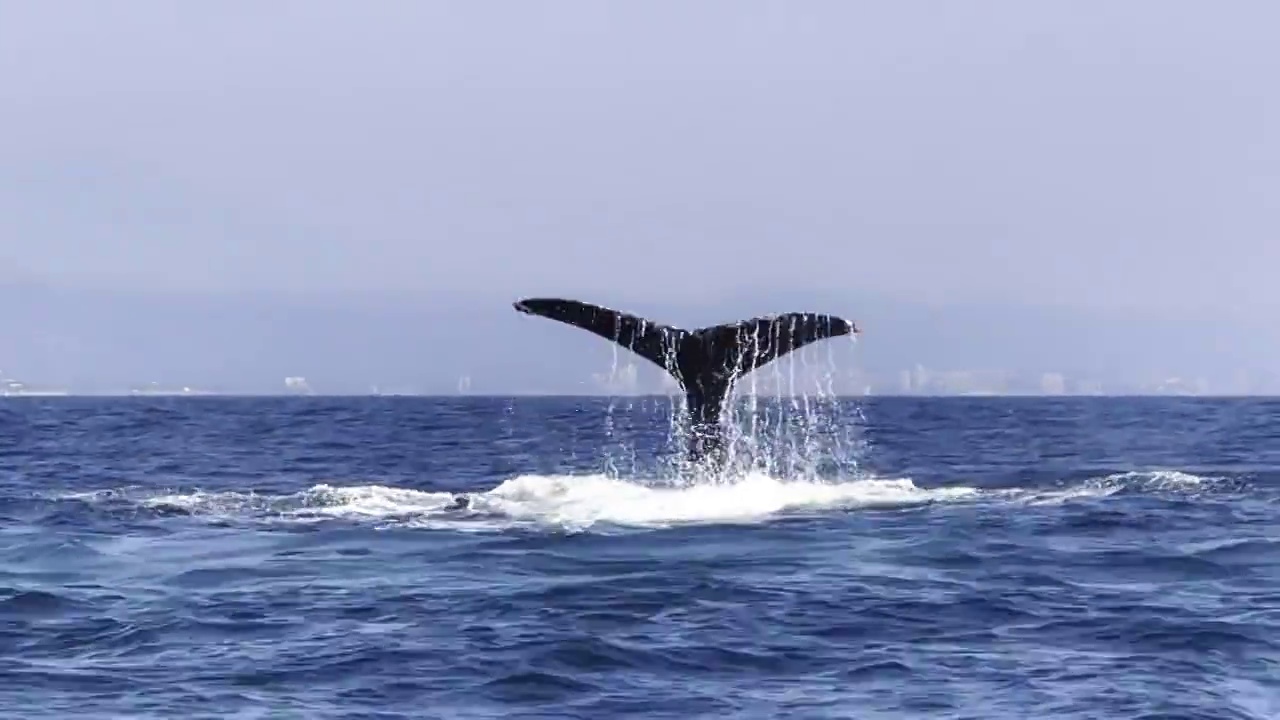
(946,558)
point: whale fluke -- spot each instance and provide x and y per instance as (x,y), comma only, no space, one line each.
(705,362)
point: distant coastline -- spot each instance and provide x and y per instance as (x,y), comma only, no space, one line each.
(603,396)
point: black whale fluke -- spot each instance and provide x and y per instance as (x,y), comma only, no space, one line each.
(705,362)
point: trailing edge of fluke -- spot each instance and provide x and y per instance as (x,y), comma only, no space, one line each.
(706,362)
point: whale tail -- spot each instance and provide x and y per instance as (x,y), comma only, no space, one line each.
(705,362)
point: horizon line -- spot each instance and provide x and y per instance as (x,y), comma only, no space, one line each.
(602,396)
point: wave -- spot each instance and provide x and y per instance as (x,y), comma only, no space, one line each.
(1152,481)
(579,502)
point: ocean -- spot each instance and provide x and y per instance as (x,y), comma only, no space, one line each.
(872,558)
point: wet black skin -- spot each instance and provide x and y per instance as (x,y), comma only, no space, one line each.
(706,362)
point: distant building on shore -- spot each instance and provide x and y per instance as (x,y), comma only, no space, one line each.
(10,387)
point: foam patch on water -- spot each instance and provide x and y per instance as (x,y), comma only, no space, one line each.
(1155,481)
(584,501)
(567,501)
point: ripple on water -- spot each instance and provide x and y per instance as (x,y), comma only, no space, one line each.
(304,558)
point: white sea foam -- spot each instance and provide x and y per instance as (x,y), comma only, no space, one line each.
(567,501)
(1152,481)
(584,501)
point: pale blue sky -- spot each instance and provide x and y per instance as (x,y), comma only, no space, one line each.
(1097,154)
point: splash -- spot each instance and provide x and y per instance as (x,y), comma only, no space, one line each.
(784,420)
(800,427)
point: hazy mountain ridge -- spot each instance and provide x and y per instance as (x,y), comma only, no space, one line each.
(94,339)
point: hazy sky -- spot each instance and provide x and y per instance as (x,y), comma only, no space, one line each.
(1066,152)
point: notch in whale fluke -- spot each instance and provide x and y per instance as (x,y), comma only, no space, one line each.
(706,362)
